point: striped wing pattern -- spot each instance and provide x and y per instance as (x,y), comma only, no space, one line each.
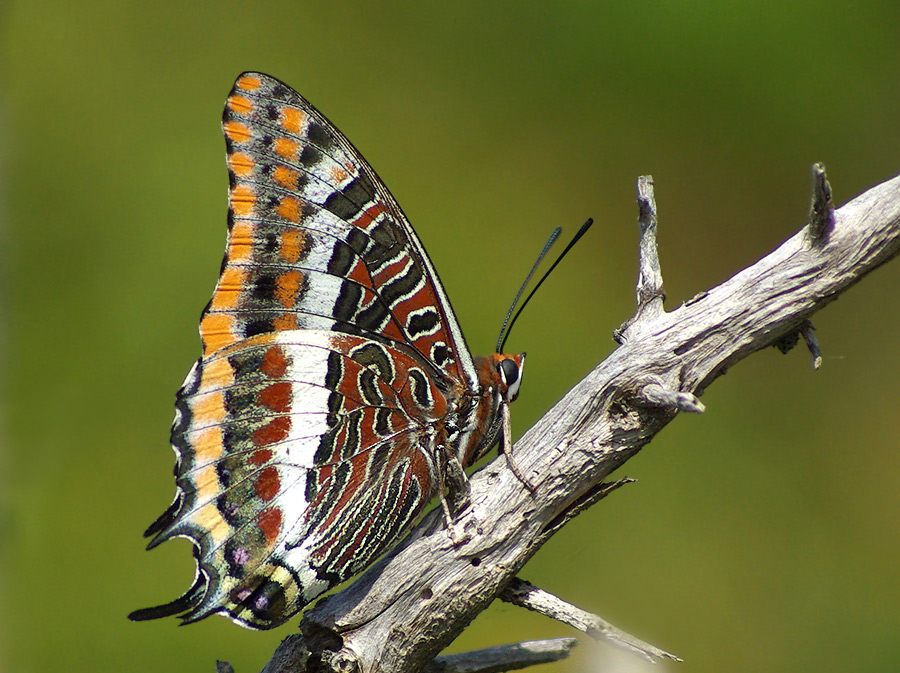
(315,239)
(308,437)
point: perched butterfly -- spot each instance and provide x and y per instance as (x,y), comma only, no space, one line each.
(335,395)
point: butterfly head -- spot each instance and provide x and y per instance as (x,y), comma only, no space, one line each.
(509,371)
(500,377)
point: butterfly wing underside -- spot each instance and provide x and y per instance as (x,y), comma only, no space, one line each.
(330,352)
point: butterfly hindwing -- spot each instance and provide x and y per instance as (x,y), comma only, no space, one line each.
(299,497)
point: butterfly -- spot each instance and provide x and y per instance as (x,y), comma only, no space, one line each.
(335,395)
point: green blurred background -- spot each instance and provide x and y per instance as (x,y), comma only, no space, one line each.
(762,535)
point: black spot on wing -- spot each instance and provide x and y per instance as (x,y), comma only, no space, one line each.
(440,353)
(258,326)
(420,389)
(341,206)
(373,318)
(238,401)
(319,136)
(342,258)
(347,303)
(424,322)
(402,285)
(368,388)
(310,157)
(264,287)
(334,371)
(383,422)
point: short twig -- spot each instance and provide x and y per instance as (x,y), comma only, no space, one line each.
(807,331)
(809,336)
(655,395)
(526,595)
(650,294)
(505,657)
(650,283)
(821,212)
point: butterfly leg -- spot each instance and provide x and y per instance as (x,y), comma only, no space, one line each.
(456,532)
(454,494)
(457,485)
(506,448)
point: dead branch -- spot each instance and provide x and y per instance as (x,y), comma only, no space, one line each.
(526,595)
(408,607)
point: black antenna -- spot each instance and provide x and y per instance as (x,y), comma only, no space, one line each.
(501,340)
(549,244)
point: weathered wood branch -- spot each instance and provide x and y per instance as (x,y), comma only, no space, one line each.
(504,657)
(403,611)
(292,655)
(526,595)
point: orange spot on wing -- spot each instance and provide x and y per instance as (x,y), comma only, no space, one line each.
(292,119)
(392,331)
(217,374)
(237,132)
(240,242)
(274,431)
(284,322)
(241,164)
(267,484)
(228,290)
(285,177)
(248,83)
(290,208)
(395,268)
(242,200)
(261,456)
(206,479)
(208,516)
(274,363)
(338,174)
(240,104)
(270,524)
(217,331)
(369,215)
(285,147)
(207,445)
(208,409)
(287,285)
(293,243)
(277,396)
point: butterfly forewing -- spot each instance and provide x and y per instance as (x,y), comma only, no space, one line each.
(316,241)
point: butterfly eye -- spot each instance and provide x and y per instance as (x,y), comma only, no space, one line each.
(511,376)
(509,372)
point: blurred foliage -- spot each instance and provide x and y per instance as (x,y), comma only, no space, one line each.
(761,536)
